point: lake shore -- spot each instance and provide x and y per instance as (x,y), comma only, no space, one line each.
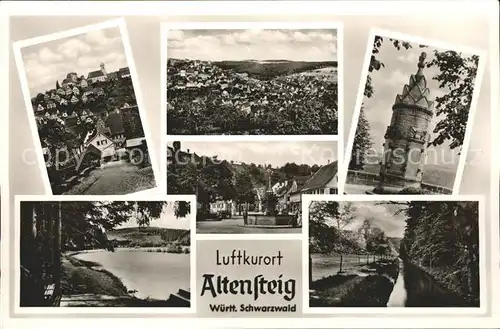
(80,277)
(367,286)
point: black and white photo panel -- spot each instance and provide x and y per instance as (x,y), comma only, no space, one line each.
(114,253)
(252,78)
(413,117)
(83,100)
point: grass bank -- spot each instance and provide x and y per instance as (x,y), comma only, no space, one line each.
(369,286)
(81,277)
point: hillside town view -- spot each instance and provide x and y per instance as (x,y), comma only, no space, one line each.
(90,130)
(251,187)
(233,96)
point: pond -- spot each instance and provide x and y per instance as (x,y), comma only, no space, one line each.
(152,274)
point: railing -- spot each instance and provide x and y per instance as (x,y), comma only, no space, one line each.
(361,178)
(371,179)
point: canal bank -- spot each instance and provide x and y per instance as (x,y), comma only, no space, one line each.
(362,286)
(89,283)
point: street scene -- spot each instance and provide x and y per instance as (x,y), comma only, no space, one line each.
(394,254)
(88,121)
(105,254)
(252,82)
(251,187)
(412,124)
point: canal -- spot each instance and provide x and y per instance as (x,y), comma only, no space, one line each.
(415,288)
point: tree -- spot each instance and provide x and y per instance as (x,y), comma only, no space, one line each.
(245,193)
(443,238)
(457,75)
(362,143)
(327,223)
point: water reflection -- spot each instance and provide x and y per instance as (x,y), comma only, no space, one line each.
(415,288)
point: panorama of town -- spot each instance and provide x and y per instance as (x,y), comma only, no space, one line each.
(251,97)
(92,136)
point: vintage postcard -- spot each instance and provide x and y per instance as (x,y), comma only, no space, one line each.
(112,255)
(83,101)
(411,128)
(395,254)
(252,78)
(251,187)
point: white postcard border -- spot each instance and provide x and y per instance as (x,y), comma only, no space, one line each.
(484,285)
(121,25)
(360,96)
(109,311)
(338,26)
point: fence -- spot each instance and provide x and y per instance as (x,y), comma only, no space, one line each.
(371,179)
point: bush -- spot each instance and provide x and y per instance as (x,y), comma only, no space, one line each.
(186,250)
(174,248)
(412,190)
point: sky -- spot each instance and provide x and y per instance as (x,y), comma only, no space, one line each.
(381,216)
(47,62)
(167,219)
(274,153)
(389,81)
(286,44)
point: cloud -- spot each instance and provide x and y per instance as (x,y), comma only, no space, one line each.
(175,35)
(258,44)
(97,37)
(47,62)
(74,48)
(48,56)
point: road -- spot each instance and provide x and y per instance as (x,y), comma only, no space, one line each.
(116,180)
(235,226)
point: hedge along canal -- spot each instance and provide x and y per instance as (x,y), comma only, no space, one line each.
(151,274)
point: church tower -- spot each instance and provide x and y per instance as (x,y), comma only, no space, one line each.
(103,70)
(407,136)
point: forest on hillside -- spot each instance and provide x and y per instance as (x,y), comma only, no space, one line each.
(84,225)
(273,68)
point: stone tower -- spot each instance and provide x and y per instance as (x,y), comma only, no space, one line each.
(103,69)
(407,136)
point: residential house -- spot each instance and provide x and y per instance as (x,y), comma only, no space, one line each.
(287,190)
(96,76)
(324,181)
(83,82)
(114,122)
(91,157)
(103,143)
(74,100)
(76,91)
(124,72)
(113,76)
